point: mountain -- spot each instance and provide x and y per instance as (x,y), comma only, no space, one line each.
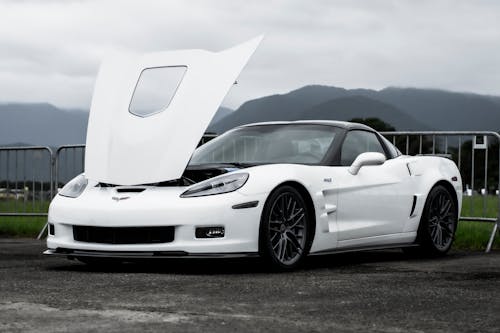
(318,102)
(404,108)
(43,124)
(221,113)
(446,110)
(277,107)
(343,108)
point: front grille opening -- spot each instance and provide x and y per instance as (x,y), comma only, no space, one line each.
(123,235)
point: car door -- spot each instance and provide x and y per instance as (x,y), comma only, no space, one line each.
(377,200)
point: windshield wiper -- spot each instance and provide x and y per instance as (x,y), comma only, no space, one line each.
(216,165)
(236,164)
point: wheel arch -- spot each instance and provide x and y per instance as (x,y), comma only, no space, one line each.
(425,243)
(308,199)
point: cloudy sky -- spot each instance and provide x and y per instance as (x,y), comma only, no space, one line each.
(50,50)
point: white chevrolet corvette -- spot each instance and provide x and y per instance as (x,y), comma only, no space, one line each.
(279,190)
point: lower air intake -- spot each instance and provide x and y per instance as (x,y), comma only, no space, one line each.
(123,235)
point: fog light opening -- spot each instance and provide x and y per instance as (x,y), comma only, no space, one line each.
(210,232)
(51,229)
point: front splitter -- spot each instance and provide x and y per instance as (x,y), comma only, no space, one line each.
(71,253)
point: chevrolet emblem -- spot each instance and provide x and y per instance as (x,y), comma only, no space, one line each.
(120,198)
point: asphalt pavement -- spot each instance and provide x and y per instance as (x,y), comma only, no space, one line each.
(380,291)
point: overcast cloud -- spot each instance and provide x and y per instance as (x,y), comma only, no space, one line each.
(50,50)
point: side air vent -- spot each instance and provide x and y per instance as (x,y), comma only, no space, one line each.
(413,205)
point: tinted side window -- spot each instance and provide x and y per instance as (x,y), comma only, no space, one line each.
(357,142)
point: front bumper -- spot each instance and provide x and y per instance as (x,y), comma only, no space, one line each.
(156,207)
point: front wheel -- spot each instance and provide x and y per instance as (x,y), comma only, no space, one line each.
(285,229)
(438,223)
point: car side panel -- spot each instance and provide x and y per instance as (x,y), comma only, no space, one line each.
(375,202)
(321,182)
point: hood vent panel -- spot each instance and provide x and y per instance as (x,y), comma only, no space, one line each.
(130,189)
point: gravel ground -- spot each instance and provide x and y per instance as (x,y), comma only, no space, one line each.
(381,291)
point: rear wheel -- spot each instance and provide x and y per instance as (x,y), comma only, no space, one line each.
(438,223)
(285,229)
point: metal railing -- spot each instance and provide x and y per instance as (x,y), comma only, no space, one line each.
(31,176)
(26,180)
(69,162)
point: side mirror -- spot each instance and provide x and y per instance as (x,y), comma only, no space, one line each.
(366,159)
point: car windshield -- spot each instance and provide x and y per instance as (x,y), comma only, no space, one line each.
(261,144)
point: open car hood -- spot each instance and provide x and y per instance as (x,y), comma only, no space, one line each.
(130,142)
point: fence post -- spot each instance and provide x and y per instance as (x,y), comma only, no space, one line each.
(51,177)
(497,223)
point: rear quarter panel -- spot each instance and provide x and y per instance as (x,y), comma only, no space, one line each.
(427,171)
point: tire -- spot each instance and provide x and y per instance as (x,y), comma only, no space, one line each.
(438,223)
(286,229)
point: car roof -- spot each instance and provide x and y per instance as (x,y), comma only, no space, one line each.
(341,124)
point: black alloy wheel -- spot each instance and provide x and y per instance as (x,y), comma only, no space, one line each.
(438,223)
(285,229)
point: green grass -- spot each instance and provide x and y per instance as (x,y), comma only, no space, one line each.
(469,236)
(476,206)
(474,236)
(21,226)
(27,206)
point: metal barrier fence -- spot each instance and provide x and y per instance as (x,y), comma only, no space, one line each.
(69,162)
(26,181)
(31,176)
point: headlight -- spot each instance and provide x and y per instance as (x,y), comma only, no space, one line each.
(75,187)
(218,185)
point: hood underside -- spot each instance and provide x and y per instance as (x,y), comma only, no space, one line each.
(131,139)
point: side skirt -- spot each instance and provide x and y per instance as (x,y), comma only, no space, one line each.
(364,248)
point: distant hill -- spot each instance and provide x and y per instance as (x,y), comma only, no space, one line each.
(404,108)
(347,108)
(221,113)
(277,107)
(445,110)
(43,124)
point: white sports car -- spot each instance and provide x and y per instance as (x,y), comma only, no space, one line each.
(279,190)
